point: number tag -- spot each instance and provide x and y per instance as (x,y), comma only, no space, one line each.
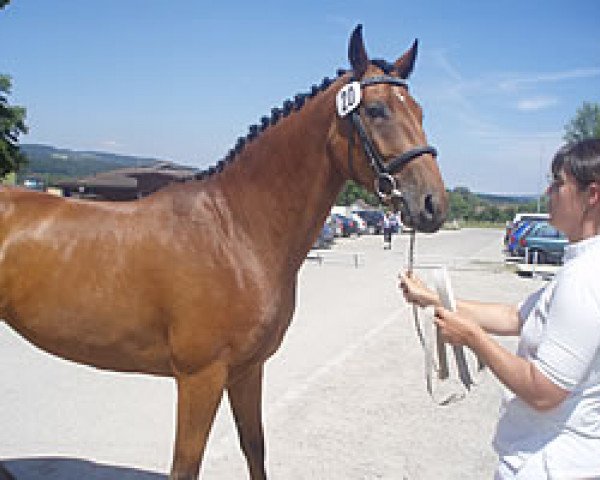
(348,98)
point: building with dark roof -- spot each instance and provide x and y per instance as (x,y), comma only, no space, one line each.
(126,183)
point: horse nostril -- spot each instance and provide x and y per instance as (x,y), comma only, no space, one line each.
(429,206)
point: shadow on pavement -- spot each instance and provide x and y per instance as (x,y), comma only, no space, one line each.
(54,468)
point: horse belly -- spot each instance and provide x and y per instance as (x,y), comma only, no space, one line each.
(119,341)
(145,355)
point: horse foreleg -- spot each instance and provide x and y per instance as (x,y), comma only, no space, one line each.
(198,397)
(245,398)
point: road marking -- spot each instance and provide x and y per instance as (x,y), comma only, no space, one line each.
(292,394)
(220,447)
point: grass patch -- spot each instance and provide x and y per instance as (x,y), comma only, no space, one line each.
(456,224)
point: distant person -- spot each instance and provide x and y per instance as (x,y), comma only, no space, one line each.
(388,229)
(549,424)
(399,226)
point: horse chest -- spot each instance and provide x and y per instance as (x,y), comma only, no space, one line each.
(271,336)
(266,331)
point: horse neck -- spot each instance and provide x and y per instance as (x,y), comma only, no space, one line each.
(282,186)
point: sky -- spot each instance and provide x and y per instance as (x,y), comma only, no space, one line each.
(180,80)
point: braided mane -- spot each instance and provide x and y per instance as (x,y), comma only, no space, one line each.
(277,113)
(254,131)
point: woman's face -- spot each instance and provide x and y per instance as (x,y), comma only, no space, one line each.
(566,205)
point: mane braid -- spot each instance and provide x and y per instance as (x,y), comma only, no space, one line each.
(254,131)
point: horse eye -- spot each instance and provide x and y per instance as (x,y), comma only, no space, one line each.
(376,110)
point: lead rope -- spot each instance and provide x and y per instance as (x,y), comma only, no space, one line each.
(424,345)
(442,370)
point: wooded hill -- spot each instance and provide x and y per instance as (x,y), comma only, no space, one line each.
(52,164)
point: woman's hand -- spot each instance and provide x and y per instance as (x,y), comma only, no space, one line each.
(518,374)
(415,291)
(455,329)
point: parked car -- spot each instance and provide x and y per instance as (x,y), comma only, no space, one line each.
(34,184)
(544,241)
(518,219)
(373,219)
(325,237)
(336,225)
(516,233)
(361,225)
(349,226)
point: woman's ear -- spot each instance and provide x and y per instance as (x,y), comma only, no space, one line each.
(593,191)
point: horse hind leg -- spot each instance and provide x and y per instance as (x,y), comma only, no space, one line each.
(198,397)
(245,398)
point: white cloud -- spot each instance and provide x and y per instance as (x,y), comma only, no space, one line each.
(484,146)
(440,58)
(110,144)
(536,103)
(503,82)
(519,81)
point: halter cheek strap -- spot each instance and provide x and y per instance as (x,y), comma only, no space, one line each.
(385,183)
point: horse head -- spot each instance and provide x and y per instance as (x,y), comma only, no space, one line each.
(387,148)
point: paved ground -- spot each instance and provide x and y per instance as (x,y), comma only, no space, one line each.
(344,396)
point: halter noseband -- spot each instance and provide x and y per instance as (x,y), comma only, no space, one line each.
(348,100)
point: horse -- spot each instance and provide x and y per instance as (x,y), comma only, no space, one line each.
(197,281)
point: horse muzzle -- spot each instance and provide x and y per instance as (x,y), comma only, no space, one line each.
(424,212)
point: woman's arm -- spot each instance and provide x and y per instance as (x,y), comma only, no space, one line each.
(495,318)
(518,374)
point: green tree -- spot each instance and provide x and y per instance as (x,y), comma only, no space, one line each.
(467,206)
(352,192)
(585,124)
(462,203)
(12,124)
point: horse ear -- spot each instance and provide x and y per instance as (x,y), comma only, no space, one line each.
(357,54)
(405,64)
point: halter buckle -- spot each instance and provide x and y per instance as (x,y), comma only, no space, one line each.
(386,187)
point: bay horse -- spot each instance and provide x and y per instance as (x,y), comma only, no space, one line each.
(197,281)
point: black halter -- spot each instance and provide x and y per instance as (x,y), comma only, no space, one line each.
(385,183)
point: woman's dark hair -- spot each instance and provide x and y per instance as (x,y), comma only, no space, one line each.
(580,159)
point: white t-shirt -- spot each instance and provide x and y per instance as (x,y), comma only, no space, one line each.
(560,335)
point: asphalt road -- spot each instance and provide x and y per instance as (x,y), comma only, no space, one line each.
(345,395)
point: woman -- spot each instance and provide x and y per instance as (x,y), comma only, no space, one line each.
(549,424)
